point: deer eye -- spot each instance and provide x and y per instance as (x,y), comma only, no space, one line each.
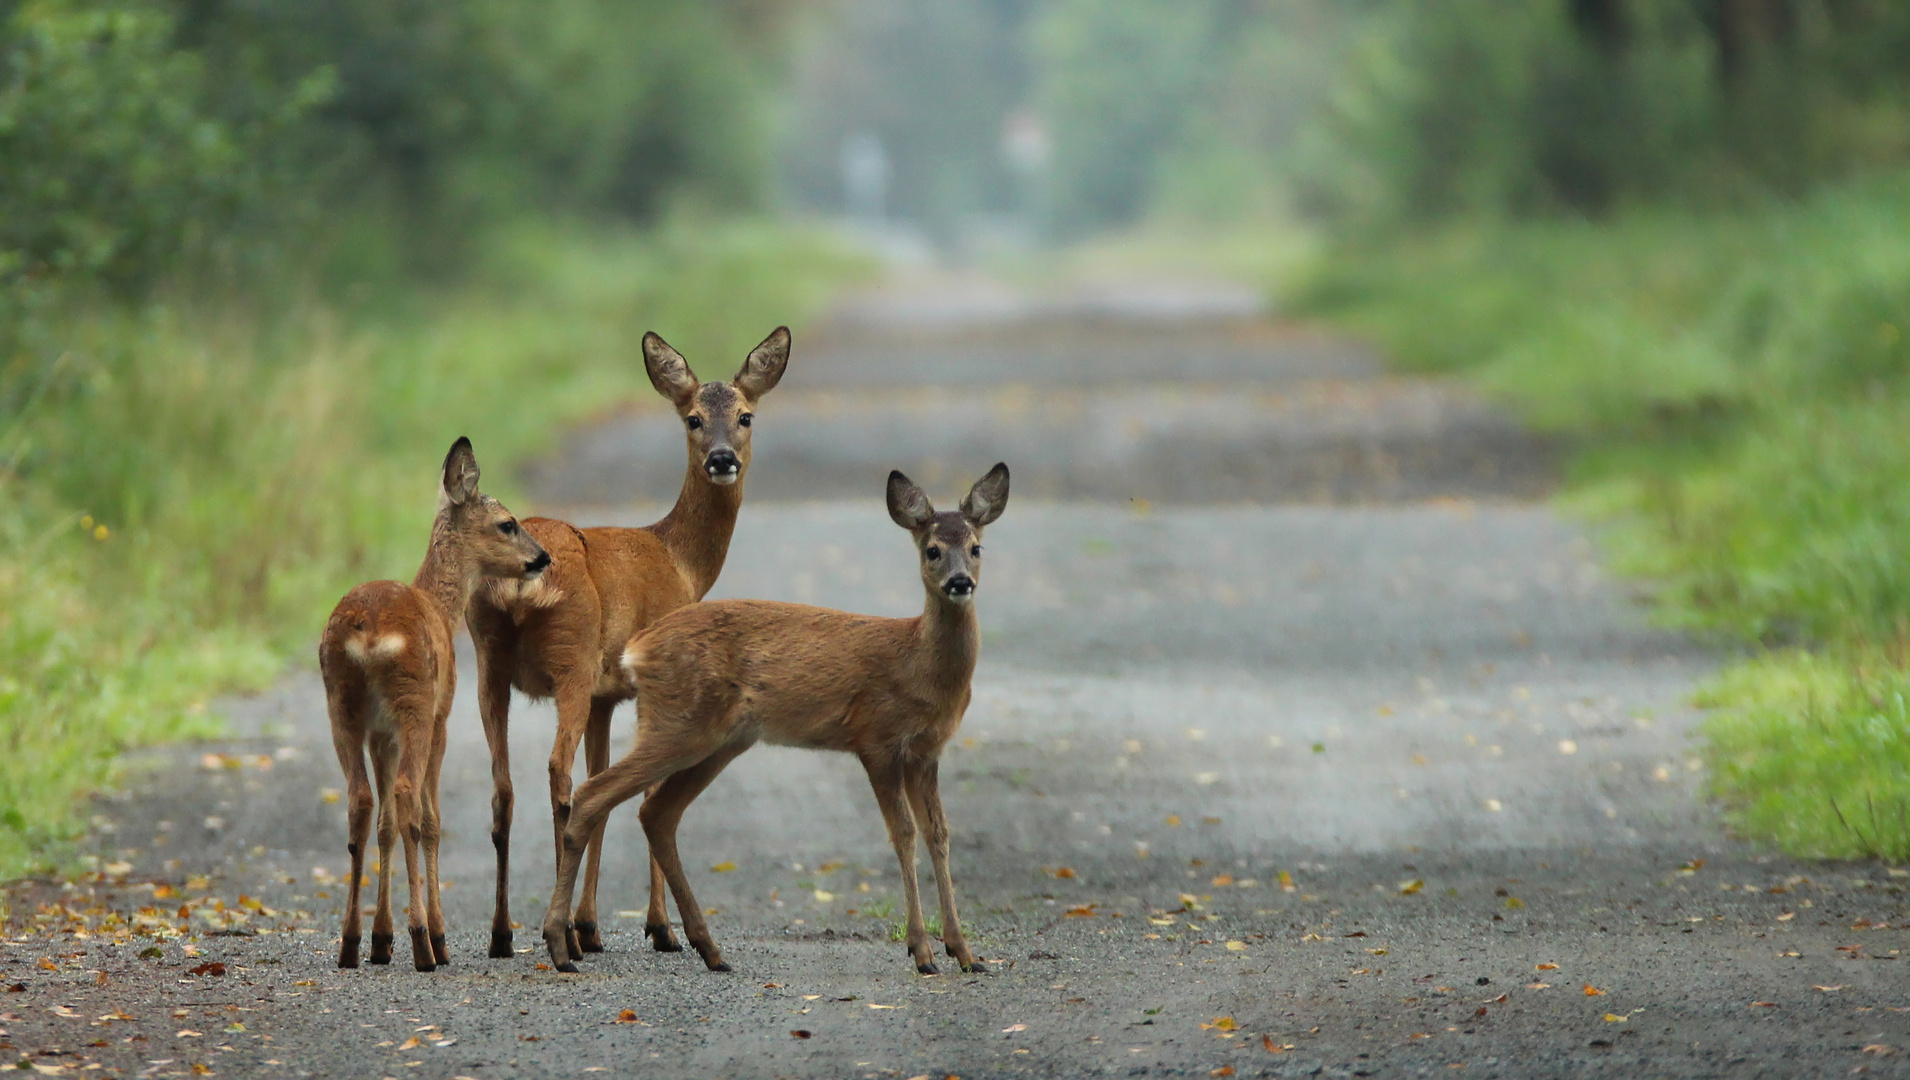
(976,551)
(932,552)
(743,420)
(508,528)
(693,422)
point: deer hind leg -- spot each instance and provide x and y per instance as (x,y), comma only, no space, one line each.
(596,760)
(408,793)
(925,798)
(885,777)
(433,834)
(349,741)
(662,812)
(494,703)
(656,923)
(647,764)
(573,717)
(384,755)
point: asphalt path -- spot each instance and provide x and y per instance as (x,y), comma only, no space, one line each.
(1331,750)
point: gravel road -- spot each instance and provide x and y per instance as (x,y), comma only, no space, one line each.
(1307,741)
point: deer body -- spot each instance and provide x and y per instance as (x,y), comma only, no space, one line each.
(713,679)
(390,675)
(562,636)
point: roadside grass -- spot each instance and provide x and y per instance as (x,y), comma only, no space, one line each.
(1738,386)
(192,484)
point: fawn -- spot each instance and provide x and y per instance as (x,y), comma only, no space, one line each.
(714,678)
(389,678)
(561,635)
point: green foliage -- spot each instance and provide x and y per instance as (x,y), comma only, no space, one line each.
(1741,387)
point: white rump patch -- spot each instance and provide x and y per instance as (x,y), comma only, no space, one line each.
(632,656)
(364,648)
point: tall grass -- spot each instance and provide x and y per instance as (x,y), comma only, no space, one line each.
(1739,384)
(193,483)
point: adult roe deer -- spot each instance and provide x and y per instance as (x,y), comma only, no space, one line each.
(389,678)
(714,678)
(561,636)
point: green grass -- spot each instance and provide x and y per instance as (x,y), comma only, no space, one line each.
(1738,387)
(193,483)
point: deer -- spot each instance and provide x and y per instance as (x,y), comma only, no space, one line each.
(390,675)
(713,679)
(561,635)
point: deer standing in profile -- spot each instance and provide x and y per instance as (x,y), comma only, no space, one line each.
(713,679)
(561,635)
(389,678)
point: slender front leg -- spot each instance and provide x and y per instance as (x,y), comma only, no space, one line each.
(885,776)
(384,758)
(596,759)
(662,812)
(433,835)
(573,716)
(494,705)
(925,798)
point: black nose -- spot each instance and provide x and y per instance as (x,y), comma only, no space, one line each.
(538,564)
(959,585)
(721,461)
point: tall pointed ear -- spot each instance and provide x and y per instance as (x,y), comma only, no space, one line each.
(460,472)
(988,498)
(667,369)
(765,366)
(908,506)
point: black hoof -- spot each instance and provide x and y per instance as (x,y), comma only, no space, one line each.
(661,939)
(439,950)
(380,948)
(422,957)
(928,969)
(975,967)
(501,945)
(567,968)
(348,953)
(587,937)
(721,966)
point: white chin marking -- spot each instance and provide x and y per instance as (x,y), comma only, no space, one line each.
(960,598)
(721,479)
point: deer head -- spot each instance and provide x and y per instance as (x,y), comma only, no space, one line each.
(483,532)
(716,416)
(948,542)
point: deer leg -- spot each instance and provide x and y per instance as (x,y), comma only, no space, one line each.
(413,756)
(656,923)
(643,766)
(885,776)
(573,716)
(433,834)
(383,759)
(661,814)
(494,703)
(348,741)
(596,760)
(925,799)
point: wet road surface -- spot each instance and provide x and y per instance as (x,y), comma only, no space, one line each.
(1305,742)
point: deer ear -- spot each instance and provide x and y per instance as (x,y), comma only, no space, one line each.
(460,471)
(667,369)
(988,498)
(908,506)
(765,366)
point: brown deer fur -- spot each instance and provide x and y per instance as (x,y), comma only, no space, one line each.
(562,636)
(714,678)
(389,679)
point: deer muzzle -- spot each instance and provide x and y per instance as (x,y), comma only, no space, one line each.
(722,466)
(536,566)
(959,588)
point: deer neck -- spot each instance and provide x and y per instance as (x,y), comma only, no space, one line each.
(950,637)
(447,579)
(696,531)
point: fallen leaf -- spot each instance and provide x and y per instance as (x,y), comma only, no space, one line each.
(1763,1004)
(800,1033)
(1224,1070)
(873,1005)
(1501,999)
(1827,989)
(1082,912)
(1173,819)
(213,967)
(1063,872)
(823,896)
(1538,986)
(1408,888)
(200,1069)
(1787,916)
(627,1016)
(1221,1023)
(722,868)
(1223,879)
(1614,1018)
(1236,946)
(1545,967)
(47,964)
(1011,1028)
(1593,991)
(410,1044)
(1377,952)
(186,1034)
(1513,903)
(1286,881)
(1880,1049)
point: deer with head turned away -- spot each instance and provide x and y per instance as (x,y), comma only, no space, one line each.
(713,679)
(561,635)
(389,678)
